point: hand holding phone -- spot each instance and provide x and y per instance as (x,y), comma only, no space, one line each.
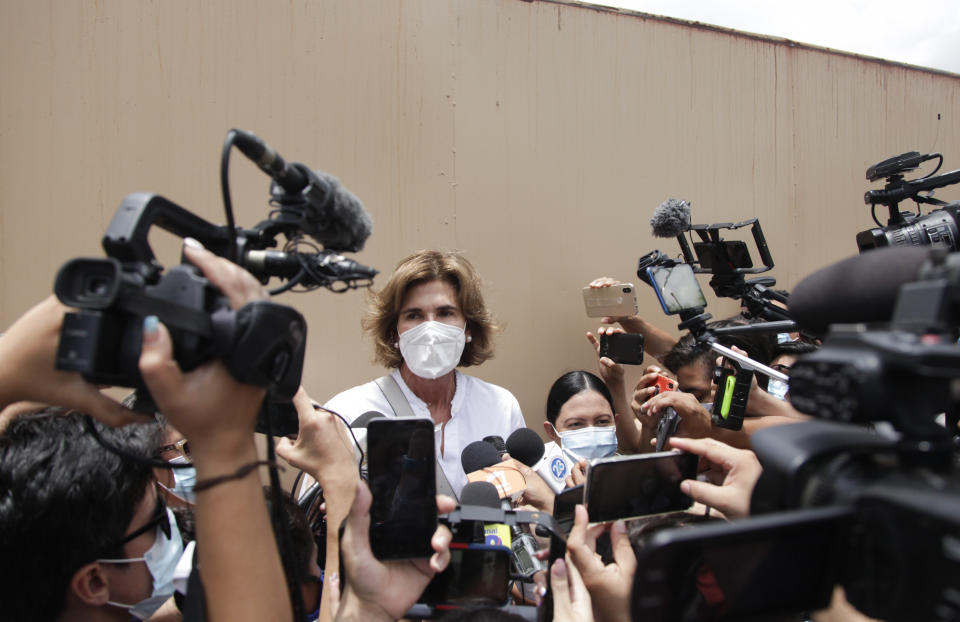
(618,300)
(622,348)
(638,485)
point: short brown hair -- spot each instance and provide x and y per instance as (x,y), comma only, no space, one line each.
(423,267)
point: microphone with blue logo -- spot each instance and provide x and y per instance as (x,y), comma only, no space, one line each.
(526,446)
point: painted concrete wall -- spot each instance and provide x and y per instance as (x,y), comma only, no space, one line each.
(538,137)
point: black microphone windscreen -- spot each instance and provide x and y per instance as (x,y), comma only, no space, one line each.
(671,218)
(349,224)
(862,288)
(525,445)
(480,493)
(497,442)
(365,418)
(478,455)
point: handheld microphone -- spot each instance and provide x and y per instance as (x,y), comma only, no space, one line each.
(670,219)
(527,447)
(481,462)
(497,442)
(485,494)
(478,455)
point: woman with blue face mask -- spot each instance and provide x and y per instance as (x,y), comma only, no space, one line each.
(580,419)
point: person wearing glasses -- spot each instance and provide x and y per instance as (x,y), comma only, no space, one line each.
(176,482)
(84,532)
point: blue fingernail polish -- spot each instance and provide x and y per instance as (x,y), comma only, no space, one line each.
(150,324)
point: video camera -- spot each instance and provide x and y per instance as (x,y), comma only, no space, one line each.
(876,511)
(938,227)
(262,343)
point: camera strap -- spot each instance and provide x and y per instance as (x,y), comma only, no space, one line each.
(401,407)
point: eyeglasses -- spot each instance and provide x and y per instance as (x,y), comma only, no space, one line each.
(160,518)
(182,446)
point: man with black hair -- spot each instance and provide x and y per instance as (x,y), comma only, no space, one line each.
(692,363)
(83,534)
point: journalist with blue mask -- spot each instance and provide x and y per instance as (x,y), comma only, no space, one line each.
(580,421)
(428,321)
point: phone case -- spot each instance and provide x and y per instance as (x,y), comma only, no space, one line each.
(618,300)
(623,348)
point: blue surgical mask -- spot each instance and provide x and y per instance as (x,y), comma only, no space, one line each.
(161,560)
(183,481)
(784,338)
(589,443)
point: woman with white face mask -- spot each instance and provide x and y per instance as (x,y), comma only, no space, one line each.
(580,420)
(428,320)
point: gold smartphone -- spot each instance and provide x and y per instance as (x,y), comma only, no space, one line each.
(613,301)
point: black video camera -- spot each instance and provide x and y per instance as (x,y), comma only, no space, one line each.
(899,482)
(262,343)
(937,227)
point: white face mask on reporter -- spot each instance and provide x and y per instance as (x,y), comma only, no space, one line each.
(432,349)
(161,559)
(590,442)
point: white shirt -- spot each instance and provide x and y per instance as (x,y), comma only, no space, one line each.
(478,409)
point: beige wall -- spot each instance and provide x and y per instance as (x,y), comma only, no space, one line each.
(538,137)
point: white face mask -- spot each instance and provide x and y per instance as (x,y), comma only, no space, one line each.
(432,349)
(161,560)
(591,442)
(183,481)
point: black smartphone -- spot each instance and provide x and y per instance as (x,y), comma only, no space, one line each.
(677,288)
(638,485)
(623,348)
(721,257)
(402,477)
(563,506)
(478,574)
(784,563)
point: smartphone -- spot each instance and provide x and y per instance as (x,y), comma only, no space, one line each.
(478,574)
(664,383)
(638,485)
(623,348)
(677,288)
(783,563)
(723,257)
(614,301)
(402,476)
(563,505)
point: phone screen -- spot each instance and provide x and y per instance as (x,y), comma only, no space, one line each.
(779,563)
(477,574)
(677,288)
(403,480)
(638,485)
